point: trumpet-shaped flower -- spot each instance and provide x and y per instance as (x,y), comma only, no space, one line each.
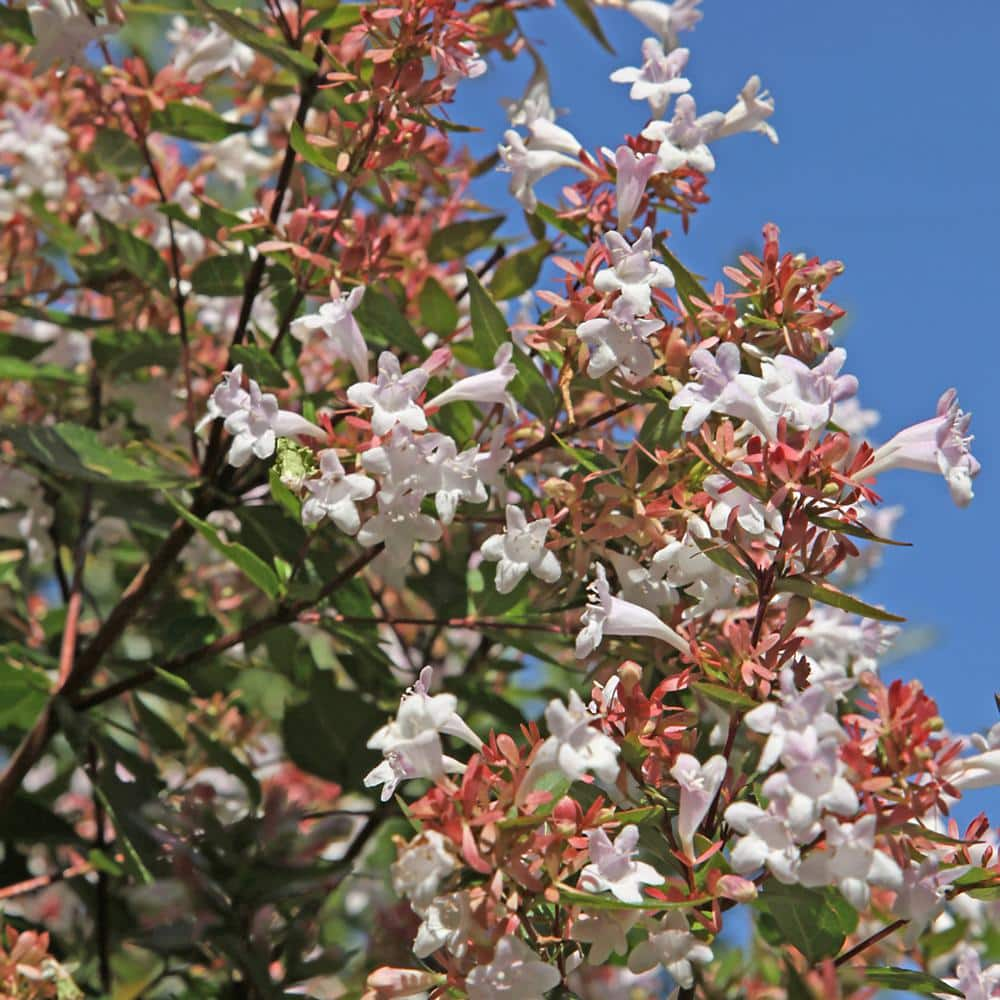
(535,102)
(447,923)
(392,397)
(486,388)
(749,114)
(606,931)
(607,615)
(336,320)
(420,757)
(460,477)
(939,445)
(421,868)
(528,166)
(767,841)
(633,173)
(62,33)
(255,421)
(806,396)
(633,271)
(573,748)
(666,19)
(335,494)
(202,52)
(400,525)
(851,862)
(699,784)
(515,972)
(618,341)
(613,868)
(658,79)
(971,979)
(754,516)
(674,947)
(519,549)
(642,585)
(404,462)
(684,139)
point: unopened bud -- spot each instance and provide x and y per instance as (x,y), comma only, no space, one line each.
(737,888)
(630,674)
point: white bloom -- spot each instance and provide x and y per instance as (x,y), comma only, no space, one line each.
(201,52)
(749,114)
(851,862)
(519,549)
(421,868)
(527,166)
(633,271)
(515,972)
(975,982)
(767,841)
(447,923)
(400,525)
(607,615)
(981,770)
(605,931)
(658,79)
(618,341)
(613,868)
(421,757)
(486,388)
(335,494)
(404,461)
(641,585)
(42,149)
(254,419)
(535,102)
(754,516)
(674,947)
(62,33)
(460,477)
(806,396)
(921,897)
(574,746)
(699,784)
(336,320)
(684,139)
(392,396)
(467,65)
(840,647)
(666,19)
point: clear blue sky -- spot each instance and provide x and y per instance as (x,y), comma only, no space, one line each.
(887,115)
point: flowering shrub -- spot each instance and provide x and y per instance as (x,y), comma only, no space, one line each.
(400,602)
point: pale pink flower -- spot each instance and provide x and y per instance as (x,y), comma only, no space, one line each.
(520,549)
(613,868)
(699,784)
(633,271)
(485,388)
(515,972)
(335,494)
(658,79)
(392,396)
(336,320)
(674,947)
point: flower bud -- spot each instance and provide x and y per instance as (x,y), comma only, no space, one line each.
(631,675)
(736,888)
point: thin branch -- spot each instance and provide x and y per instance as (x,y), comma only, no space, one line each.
(571,428)
(44,881)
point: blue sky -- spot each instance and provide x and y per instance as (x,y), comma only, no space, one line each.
(887,161)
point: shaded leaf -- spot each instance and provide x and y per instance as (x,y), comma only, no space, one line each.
(517,273)
(725,696)
(460,238)
(223,275)
(909,979)
(117,153)
(687,285)
(384,325)
(438,311)
(26,371)
(609,902)
(584,13)
(826,594)
(186,121)
(815,921)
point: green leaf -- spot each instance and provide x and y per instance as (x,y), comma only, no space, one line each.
(908,979)
(24,687)
(26,371)
(584,13)
(519,272)
(853,528)
(724,696)
(118,352)
(815,921)
(644,814)
(662,428)
(489,332)
(126,251)
(15,26)
(438,311)
(222,275)
(826,594)
(384,325)
(460,238)
(251,565)
(77,452)
(117,153)
(312,154)
(186,121)
(243,31)
(548,214)
(721,556)
(687,285)
(326,734)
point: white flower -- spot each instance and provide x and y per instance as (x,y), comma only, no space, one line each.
(749,114)
(447,923)
(573,748)
(335,494)
(941,444)
(851,862)
(806,396)
(754,516)
(421,757)
(613,868)
(200,53)
(515,972)
(535,102)
(922,895)
(235,159)
(467,64)
(527,166)
(684,139)
(42,149)
(633,271)
(392,396)
(658,79)
(840,647)
(336,320)
(486,388)
(62,33)
(767,841)
(421,868)
(641,585)
(605,931)
(699,784)
(674,947)
(607,615)
(981,770)
(974,982)
(255,420)
(666,19)
(404,462)
(460,477)
(400,525)
(618,340)
(519,549)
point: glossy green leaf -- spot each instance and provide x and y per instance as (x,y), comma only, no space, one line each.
(595,902)
(826,594)
(910,980)
(584,13)
(15,26)
(187,121)
(816,922)
(384,325)
(662,428)
(438,311)
(688,287)
(224,275)
(724,696)
(127,251)
(250,564)
(18,370)
(517,273)
(460,238)
(117,153)
(312,154)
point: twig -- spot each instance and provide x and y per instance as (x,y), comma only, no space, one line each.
(571,428)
